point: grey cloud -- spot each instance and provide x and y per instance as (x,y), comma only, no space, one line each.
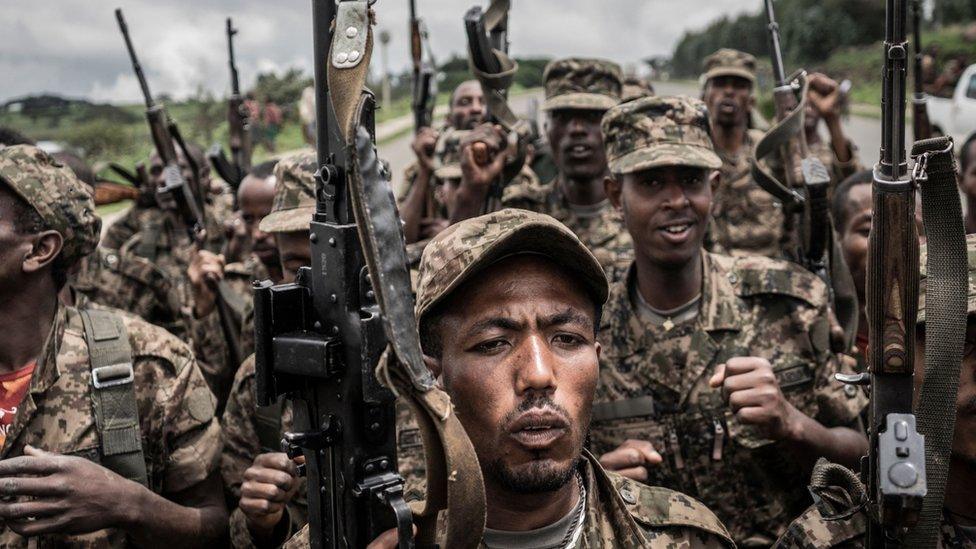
(73,47)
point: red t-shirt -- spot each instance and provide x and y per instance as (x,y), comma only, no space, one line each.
(13,387)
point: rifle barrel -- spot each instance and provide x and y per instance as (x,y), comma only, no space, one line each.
(894,164)
(775,47)
(147,96)
(234,80)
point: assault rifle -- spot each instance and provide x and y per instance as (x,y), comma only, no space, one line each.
(319,339)
(424,72)
(487,36)
(176,193)
(807,179)
(238,120)
(920,114)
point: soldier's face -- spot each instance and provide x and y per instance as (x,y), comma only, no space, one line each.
(854,235)
(256,197)
(666,211)
(14,247)
(519,359)
(468,106)
(295,252)
(577,143)
(964,436)
(729,100)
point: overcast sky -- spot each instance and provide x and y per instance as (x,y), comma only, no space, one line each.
(73,47)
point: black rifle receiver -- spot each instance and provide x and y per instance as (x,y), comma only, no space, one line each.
(318,341)
(234,170)
(424,72)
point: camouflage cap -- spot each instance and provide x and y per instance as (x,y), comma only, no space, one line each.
(635,88)
(658,131)
(463,249)
(729,62)
(971,291)
(63,201)
(294,199)
(584,84)
(447,154)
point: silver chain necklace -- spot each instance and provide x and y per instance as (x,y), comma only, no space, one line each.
(577,520)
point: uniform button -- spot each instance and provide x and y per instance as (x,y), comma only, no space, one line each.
(733,278)
(850,391)
(628,496)
(111,260)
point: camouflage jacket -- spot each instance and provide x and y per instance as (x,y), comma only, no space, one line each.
(132,284)
(654,386)
(180,437)
(605,234)
(811,531)
(624,513)
(838,170)
(746,220)
(242,424)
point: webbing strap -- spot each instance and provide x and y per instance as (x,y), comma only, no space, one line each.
(494,85)
(771,143)
(946,285)
(623,409)
(113,394)
(454,478)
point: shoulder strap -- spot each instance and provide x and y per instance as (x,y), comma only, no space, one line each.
(113,394)
(267,426)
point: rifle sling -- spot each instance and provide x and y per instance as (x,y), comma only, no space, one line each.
(771,143)
(113,394)
(946,287)
(454,478)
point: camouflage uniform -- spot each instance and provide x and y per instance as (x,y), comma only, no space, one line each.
(746,220)
(654,379)
(583,84)
(180,439)
(812,531)
(129,283)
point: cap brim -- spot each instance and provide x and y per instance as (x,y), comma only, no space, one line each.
(287,221)
(542,239)
(729,71)
(580,101)
(666,154)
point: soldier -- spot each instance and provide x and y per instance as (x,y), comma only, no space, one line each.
(507,307)
(422,214)
(257,475)
(109,438)
(717,376)
(746,220)
(578,92)
(254,197)
(824,102)
(852,211)
(813,531)
(635,87)
(209,277)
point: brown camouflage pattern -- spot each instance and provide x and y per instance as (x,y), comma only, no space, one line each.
(604,235)
(635,88)
(63,201)
(729,62)
(586,84)
(624,513)
(811,531)
(658,131)
(447,153)
(746,220)
(294,201)
(180,437)
(129,283)
(242,446)
(750,307)
(462,249)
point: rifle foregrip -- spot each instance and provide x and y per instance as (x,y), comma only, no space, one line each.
(892,289)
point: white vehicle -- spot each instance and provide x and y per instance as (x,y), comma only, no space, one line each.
(956,117)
